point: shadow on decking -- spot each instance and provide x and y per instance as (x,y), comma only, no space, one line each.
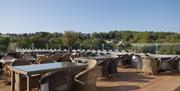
(1,75)
(177,89)
(131,77)
(118,88)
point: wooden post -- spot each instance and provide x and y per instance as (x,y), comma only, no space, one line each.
(29,83)
(12,81)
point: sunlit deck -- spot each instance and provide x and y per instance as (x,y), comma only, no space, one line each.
(130,80)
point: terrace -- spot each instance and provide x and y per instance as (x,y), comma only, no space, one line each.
(89,45)
(130,80)
(127,79)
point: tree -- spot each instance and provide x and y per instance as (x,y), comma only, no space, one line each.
(77,44)
(125,46)
(87,44)
(97,43)
(4,43)
(126,35)
(69,38)
(55,42)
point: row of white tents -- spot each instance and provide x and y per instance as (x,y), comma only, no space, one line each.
(64,50)
(112,52)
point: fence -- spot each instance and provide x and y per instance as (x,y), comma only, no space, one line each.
(157,48)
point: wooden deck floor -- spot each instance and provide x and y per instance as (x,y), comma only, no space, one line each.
(130,80)
(164,83)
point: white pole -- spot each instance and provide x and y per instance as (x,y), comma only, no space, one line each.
(102,46)
(156,47)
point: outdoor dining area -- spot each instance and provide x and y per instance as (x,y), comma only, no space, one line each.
(77,71)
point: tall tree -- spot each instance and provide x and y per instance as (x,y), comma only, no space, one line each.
(69,38)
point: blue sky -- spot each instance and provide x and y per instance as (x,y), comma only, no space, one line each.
(27,16)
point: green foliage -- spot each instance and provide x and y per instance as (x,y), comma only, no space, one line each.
(166,49)
(87,44)
(75,40)
(55,42)
(97,43)
(4,43)
(77,44)
(125,46)
(69,38)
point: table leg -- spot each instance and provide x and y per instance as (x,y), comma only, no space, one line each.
(29,83)
(12,81)
(19,82)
